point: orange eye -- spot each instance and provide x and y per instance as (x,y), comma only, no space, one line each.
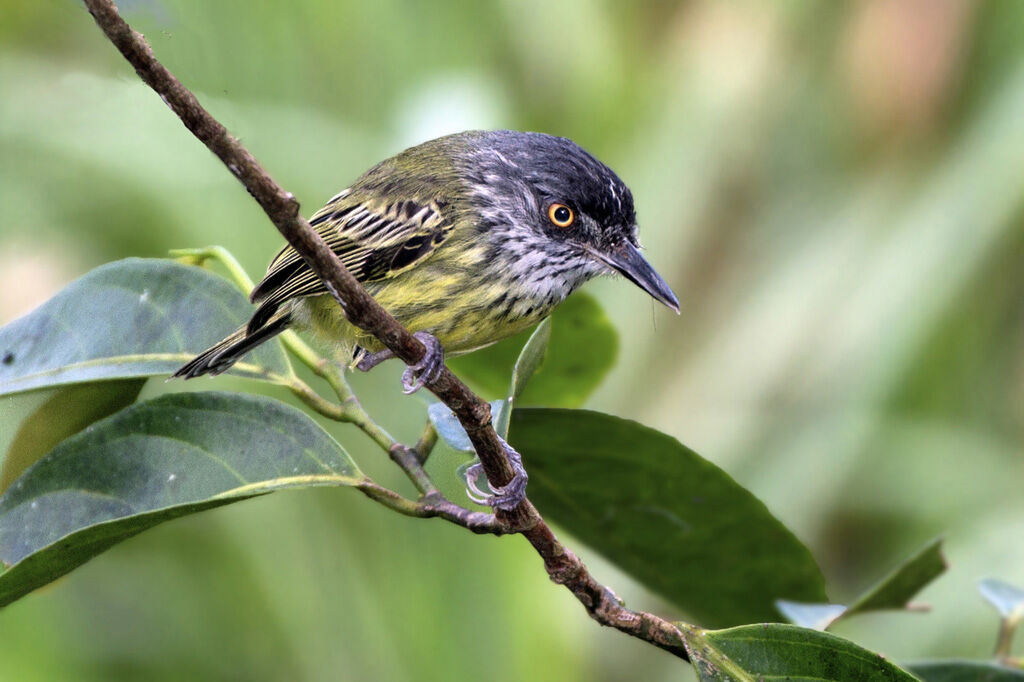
(560,215)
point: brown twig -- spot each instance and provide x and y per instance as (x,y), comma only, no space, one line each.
(362,310)
(435,505)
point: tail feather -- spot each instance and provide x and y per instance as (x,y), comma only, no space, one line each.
(219,357)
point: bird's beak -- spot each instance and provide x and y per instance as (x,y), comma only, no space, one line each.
(627,260)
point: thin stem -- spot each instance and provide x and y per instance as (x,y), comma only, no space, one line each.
(478,522)
(408,459)
(330,372)
(350,410)
(350,413)
(1004,640)
(236,272)
(434,505)
(323,368)
(391,499)
(427,441)
(371,428)
(316,402)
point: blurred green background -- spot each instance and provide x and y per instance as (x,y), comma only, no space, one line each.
(836,192)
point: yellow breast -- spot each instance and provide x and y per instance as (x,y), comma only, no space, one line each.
(456,296)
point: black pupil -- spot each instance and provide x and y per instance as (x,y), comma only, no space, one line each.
(562,214)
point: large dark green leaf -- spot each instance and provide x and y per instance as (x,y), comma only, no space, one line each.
(149,463)
(965,671)
(64,413)
(130,318)
(581,351)
(893,592)
(673,520)
(756,653)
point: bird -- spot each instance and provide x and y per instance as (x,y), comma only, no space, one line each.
(465,239)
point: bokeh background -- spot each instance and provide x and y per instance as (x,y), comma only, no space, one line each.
(835,190)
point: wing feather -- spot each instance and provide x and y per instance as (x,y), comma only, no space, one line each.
(374,242)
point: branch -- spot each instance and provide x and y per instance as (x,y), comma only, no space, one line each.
(283,210)
(362,310)
(411,460)
(435,505)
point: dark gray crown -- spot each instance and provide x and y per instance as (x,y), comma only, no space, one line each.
(551,169)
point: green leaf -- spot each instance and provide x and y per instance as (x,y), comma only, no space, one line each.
(502,416)
(674,521)
(896,590)
(1008,599)
(529,360)
(66,412)
(130,318)
(814,616)
(754,653)
(152,462)
(965,671)
(451,431)
(582,349)
(893,592)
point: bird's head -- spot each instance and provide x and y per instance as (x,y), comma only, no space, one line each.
(553,212)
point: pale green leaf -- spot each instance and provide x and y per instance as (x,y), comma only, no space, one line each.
(529,360)
(128,319)
(1008,599)
(451,431)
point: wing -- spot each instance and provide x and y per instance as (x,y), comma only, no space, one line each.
(374,241)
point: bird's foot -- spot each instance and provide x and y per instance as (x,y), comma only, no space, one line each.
(415,376)
(506,497)
(371,360)
(428,368)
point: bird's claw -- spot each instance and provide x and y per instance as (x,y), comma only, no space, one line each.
(473,492)
(415,376)
(370,360)
(506,497)
(428,368)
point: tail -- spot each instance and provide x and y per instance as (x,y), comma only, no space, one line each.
(220,357)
